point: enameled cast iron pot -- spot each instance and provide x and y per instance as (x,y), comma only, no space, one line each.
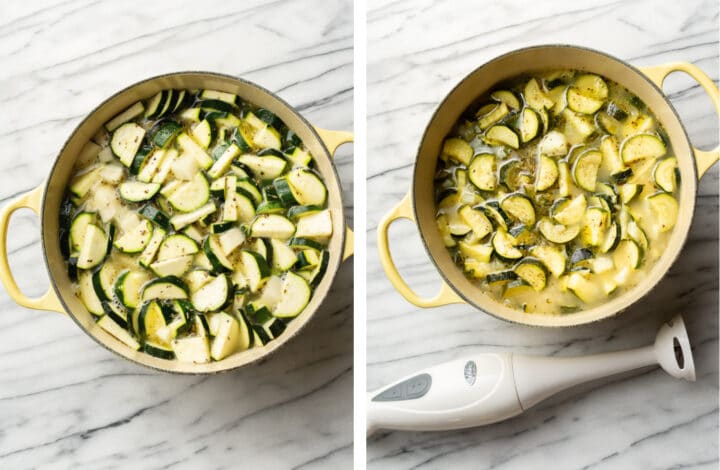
(45,201)
(419,205)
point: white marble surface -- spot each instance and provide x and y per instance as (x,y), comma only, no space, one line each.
(64,401)
(418,50)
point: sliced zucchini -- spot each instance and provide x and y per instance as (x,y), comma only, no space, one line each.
(256,269)
(164,132)
(181,220)
(284,192)
(628,191)
(168,287)
(516,288)
(496,214)
(126,141)
(520,207)
(216,255)
(502,135)
(172,266)
(284,257)
(204,132)
(307,188)
(129,114)
(580,257)
(477,252)
(150,165)
(191,195)
(226,341)
(299,157)
(87,294)
(482,171)
(611,239)
(552,257)
(621,176)
(641,146)
(557,233)
(504,245)
(137,191)
(93,249)
(189,146)
(110,326)
(578,127)
(507,97)
(222,165)
(458,150)
(158,350)
(104,281)
(248,188)
(194,349)
(664,206)
(581,103)
(554,144)
(231,239)
(491,115)
(128,286)
(148,254)
(78,229)
(594,226)
(229,98)
(547,173)
(585,169)
(197,278)
(627,254)
(264,168)
(586,290)
(611,161)
(564,179)
(272,226)
(536,97)
(532,271)
(501,276)
(475,219)
(317,225)
(592,85)
(665,174)
(295,296)
(569,211)
(136,239)
(214,295)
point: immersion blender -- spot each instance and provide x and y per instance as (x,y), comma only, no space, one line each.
(487,388)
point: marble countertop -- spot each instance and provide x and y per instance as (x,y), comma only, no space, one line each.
(418,50)
(64,401)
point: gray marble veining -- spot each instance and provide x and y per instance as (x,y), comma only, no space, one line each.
(417,51)
(64,401)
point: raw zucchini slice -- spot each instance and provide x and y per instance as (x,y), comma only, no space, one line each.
(264,168)
(595,223)
(214,295)
(172,266)
(216,255)
(248,188)
(307,187)
(553,258)
(284,257)
(229,98)
(547,173)
(554,144)
(665,174)
(177,245)
(585,169)
(493,114)
(665,208)
(150,165)
(126,141)
(163,133)
(272,226)
(581,103)
(136,239)
(295,296)
(557,233)
(481,172)
(148,254)
(532,271)
(475,219)
(299,157)
(158,350)
(81,184)
(195,349)
(131,113)
(104,281)
(107,324)
(642,146)
(227,340)
(520,207)
(78,229)
(317,225)
(222,165)
(569,211)
(504,245)
(189,146)
(458,150)
(231,239)
(256,269)
(203,132)
(627,255)
(128,287)
(87,293)
(157,104)
(502,135)
(284,192)
(181,220)
(93,249)
(507,97)
(192,195)
(168,287)
(137,191)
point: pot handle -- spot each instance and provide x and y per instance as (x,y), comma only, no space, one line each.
(333,140)
(404,210)
(703,159)
(31,200)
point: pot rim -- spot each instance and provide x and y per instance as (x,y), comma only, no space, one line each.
(690,209)
(320,295)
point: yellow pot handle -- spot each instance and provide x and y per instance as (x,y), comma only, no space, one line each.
(404,210)
(333,140)
(49,301)
(703,159)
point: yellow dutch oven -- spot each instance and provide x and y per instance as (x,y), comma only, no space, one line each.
(45,201)
(419,205)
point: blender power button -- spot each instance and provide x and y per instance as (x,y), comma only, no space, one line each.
(410,389)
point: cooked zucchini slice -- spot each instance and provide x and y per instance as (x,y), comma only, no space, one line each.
(529,124)
(191,195)
(164,132)
(507,97)
(458,150)
(611,239)
(128,286)
(592,85)
(516,288)
(581,103)
(665,208)
(532,271)
(137,191)
(272,226)
(554,144)
(665,174)
(477,221)
(194,349)
(481,172)
(307,188)
(628,191)
(504,245)
(496,214)
(93,249)
(169,287)
(126,141)
(642,146)
(547,173)
(536,97)
(148,254)
(557,233)
(136,239)
(87,293)
(585,169)
(569,211)
(502,135)
(502,276)
(627,254)
(520,207)
(491,115)
(213,295)
(585,289)
(552,257)
(295,296)
(594,225)
(317,225)
(611,162)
